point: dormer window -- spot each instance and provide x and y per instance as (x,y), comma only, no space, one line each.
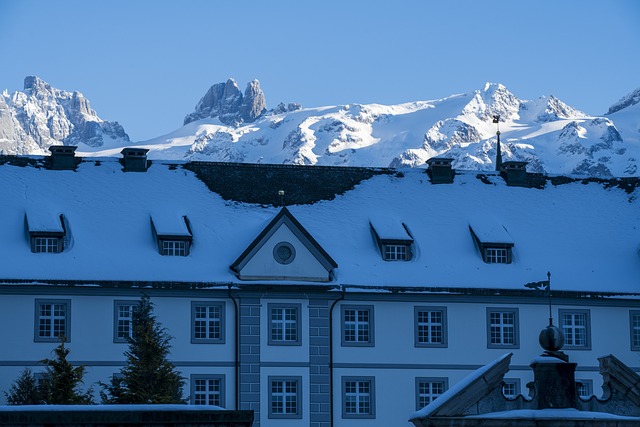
(493,241)
(172,234)
(46,231)
(393,239)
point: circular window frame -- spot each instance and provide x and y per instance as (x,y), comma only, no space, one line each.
(277,256)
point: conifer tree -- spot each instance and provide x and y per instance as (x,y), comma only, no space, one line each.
(149,377)
(62,379)
(24,391)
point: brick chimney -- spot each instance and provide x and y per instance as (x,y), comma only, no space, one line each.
(134,159)
(62,157)
(440,170)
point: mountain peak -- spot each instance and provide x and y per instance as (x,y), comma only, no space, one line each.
(627,101)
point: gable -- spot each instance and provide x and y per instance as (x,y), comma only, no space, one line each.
(284,250)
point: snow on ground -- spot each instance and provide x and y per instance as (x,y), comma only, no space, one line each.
(585,235)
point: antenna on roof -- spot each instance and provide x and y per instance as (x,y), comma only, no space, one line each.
(496,120)
(281,195)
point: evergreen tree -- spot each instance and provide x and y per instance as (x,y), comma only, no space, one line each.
(24,391)
(60,386)
(149,376)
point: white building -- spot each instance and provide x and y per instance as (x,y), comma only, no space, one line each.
(365,297)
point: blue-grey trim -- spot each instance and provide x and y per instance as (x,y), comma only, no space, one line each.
(372,396)
(587,313)
(298,380)
(516,383)
(443,310)
(116,304)
(67,320)
(589,384)
(371,341)
(633,313)
(298,308)
(443,380)
(278,258)
(220,377)
(284,364)
(222,305)
(516,326)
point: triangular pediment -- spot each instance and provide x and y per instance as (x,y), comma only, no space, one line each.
(284,250)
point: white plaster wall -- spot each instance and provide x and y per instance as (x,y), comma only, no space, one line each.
(305,264)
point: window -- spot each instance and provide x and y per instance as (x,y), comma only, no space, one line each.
(284,324)
(358,397)
(52,320)
(284,397)
(123,320)
(173,247)
(634,318)
(502,328)
(46,244)
(511,387)
(576,329)
(496,256)
(357,325)
(584,388)
(395,252)
(430,326)
(207,390)
(284,253)
(428,389)
(207,322)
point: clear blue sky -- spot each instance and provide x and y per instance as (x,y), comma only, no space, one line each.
(147,63)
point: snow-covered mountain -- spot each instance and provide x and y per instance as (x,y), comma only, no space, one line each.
(549,134)
(42,116)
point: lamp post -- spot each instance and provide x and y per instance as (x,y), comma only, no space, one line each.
(496,120)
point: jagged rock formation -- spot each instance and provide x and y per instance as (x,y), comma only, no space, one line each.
(631,99)
(42,116)
(226,102)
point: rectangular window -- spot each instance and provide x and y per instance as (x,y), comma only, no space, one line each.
(46,244)
(207,322)
(284,324)
(123,320)
(174,248)
(576,329)
(511,387)
(428,389)
(502,328)
(634,318)
(430,326)
(584,388)
(495,255)
(207,390)
(357,325)
(284,397)
(358,398)
(395,252)
(52,320)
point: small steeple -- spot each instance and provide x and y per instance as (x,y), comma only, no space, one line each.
(496,120)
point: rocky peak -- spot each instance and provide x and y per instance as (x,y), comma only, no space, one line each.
(254,104)
(627,101)
(493,99)
(548,109)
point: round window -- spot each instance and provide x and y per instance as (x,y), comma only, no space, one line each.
(284,253)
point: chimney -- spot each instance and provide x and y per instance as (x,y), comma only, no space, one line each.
(62,157)
(514,173)
(134,159)
(440,170)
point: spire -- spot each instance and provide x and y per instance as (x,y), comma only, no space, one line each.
(496,120)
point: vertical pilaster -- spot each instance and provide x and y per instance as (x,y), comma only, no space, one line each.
(319,393)
(250,356)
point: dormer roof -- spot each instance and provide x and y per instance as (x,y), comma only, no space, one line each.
(43,220)
(489,232)
(165,224)
(390,230)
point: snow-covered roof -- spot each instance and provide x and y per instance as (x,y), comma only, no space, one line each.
(587,234)
(43,219)
(168,223)
(389,228)
(487,230)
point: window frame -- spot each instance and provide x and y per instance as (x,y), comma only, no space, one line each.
(222,307)
(512,381)
(51,245)
(372,397)
(587,327)
(173,250)
(635,344)
(298,380)
(371,326)
(207,377)
(116,305)
(298,323)
(396,252)
(495,255)
(421,380)
(589,386)
(39,302)
(416,336)
(516,327)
